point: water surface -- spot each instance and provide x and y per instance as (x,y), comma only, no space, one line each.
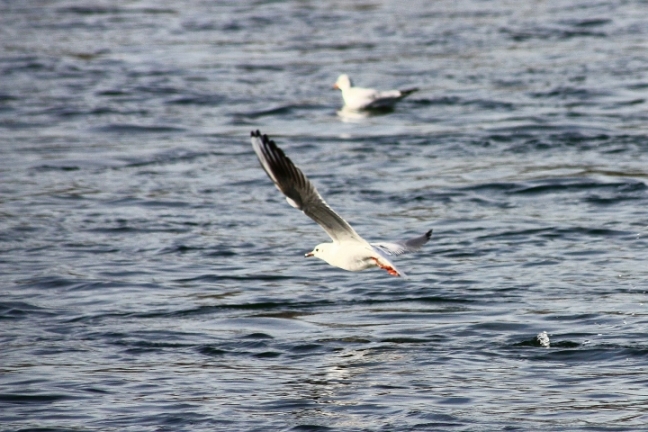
(153,279)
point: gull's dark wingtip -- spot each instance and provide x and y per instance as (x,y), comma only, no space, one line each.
(428,234)
(257,134)
(265,139)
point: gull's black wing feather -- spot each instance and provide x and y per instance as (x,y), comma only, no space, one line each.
(299,191)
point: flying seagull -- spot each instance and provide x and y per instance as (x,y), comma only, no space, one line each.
(357,98)
(348,250)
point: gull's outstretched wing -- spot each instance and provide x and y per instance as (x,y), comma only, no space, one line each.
(399,248)
(299,191)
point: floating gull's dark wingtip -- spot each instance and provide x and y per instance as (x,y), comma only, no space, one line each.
(409,91)
(428,234)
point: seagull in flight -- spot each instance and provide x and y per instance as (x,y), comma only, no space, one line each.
(348,250)
(357,98)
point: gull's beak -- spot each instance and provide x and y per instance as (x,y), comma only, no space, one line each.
(335,86)
(309,254)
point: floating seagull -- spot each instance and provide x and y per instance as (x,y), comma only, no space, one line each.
(357,98)
(348,251)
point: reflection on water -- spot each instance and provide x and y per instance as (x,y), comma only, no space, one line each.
(355,116)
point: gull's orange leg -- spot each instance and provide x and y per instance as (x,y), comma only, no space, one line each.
(389,269)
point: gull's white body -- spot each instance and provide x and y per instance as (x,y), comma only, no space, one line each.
(348,250)
(357,98)
(348,255)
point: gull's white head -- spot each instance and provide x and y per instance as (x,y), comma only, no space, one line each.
(321,251)
(343,82)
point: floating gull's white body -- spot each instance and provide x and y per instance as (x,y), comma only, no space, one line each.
(348,250)
(356,98)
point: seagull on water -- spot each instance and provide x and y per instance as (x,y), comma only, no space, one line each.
(348,250)
(357,98)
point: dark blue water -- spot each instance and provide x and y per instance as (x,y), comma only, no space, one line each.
(153,279)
